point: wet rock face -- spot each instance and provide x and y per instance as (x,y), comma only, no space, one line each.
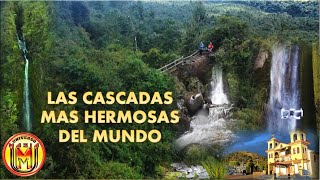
(213,127)
(193,76)
(207,100)
(261,59)
(190,172)
(184,124)
(198,68)
(193,84)
(193,102)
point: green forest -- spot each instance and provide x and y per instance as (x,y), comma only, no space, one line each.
(118,46)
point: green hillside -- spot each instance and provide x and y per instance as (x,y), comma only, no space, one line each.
(118,46)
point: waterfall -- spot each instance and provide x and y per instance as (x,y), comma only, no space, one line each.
(217,94)
(26,94)
(26,102)
(210,128)
(284,91)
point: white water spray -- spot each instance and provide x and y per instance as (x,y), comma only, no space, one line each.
(217,94)
(26,102)
(210,128)
(284,92)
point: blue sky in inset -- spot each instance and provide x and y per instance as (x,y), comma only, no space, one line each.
(256,142)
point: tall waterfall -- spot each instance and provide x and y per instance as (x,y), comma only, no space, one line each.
(217,94)
(284,92)
(26,94)
(210,128)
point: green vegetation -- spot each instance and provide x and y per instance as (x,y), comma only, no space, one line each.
(304,9)
(11,81)
(117,46)
(249,159)
(316,79)
(241,33)
(234,163)
(214,168)
(196,154)
(78,63)
(207,156)
(116,170)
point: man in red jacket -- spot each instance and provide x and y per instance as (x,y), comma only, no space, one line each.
(210,47)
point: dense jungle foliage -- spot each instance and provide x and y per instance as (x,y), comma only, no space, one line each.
(116,46)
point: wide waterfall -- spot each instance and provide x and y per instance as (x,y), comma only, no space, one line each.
(284,92)
(210,128)
(26,94)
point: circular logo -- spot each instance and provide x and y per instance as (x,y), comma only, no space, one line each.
(23,154)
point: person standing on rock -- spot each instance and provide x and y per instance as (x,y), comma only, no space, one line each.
(201,48)
(210,47)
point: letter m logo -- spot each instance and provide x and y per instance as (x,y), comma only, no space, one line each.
(24,157)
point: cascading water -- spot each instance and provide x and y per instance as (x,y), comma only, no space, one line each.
(210,128)
(26,99)
(284,92)
(217,94)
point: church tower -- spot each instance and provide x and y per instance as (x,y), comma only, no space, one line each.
(299,146)
(272,143)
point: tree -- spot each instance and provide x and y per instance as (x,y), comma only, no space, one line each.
(194,29)
(250,167)
(139,10)
(80,12)
(10,80)
(234,163)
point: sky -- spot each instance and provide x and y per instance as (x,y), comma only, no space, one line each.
(256,142)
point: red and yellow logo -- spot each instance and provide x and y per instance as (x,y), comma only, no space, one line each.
(23,154)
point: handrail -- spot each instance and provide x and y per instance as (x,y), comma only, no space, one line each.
(176,62)
(173,62)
